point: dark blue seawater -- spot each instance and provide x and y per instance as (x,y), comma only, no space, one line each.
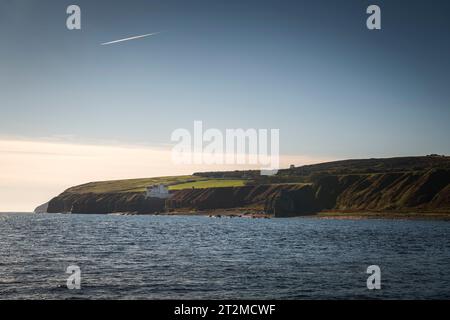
(158,257)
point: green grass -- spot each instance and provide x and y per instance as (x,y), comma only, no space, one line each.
(210,183)
(139,185)
(130,185)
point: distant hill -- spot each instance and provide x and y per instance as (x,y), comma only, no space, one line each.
(352,166)
(361,166)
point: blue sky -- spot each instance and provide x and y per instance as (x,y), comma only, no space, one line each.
(309,68)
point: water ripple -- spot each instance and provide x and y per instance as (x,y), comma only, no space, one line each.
(160,257)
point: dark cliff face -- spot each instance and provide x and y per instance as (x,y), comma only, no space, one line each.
(427,191)
(396,192)
(223,198)
(105,203)
(289,203)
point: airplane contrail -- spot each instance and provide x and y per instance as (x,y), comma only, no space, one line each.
(130,38)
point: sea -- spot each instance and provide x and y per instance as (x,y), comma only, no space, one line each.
(57,256)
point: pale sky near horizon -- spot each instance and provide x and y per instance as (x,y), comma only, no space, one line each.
(71,109)
(33,171)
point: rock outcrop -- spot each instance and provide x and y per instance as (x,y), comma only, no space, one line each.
(42,208)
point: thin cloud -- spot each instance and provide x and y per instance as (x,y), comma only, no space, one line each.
(130,38)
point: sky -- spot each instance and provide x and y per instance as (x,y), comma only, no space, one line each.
(71,109)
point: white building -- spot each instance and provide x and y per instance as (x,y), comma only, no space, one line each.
(157,191)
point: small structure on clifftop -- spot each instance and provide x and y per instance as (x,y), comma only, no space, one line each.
(157,191)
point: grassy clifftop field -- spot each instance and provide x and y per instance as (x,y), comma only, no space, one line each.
(139,185)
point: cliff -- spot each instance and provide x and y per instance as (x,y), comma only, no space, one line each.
(101,203)
(389,192)
(388,185)
(42,208)
(226,198)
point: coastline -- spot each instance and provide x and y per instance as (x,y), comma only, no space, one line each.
(214,213)
(391,188)
(336,215)
(385,215)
